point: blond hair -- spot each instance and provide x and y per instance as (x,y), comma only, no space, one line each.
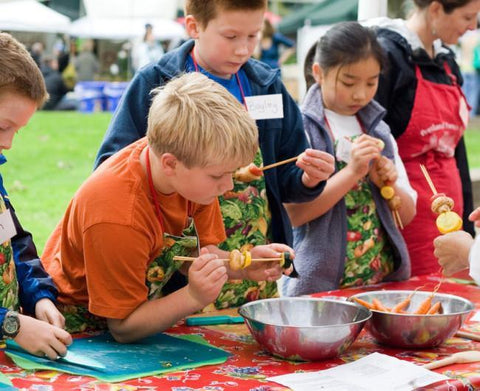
(19,72)
(201,123)
(206,10)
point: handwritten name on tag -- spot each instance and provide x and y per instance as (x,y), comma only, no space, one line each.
(265,106)
(7,227)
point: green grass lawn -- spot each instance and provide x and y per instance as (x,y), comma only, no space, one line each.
(49,159)
(54,154)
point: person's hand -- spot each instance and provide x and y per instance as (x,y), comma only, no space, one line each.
(452,251)
(475,217)
(46,310)
(383,172)
(206,277)
(317,166)
(42,339)
(364,150)
(267,271)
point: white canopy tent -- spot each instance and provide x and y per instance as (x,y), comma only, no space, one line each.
(126,19)
(30,15)
(124,28)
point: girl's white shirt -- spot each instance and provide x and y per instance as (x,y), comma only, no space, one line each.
(347,126)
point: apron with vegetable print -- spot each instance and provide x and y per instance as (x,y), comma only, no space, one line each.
(8,281)
(78,319)
(438,120)
(246,217)
(369,256)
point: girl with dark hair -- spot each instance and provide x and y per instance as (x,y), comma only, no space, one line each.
(427,112)
(347,236)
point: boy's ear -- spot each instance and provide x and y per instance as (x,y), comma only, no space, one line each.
(317,72)
(168,163)
(192,27)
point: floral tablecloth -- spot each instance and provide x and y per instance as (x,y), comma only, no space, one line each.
(249,366)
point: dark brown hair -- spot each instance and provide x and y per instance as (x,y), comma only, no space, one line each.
(19,72)
(206,10)
(448,5)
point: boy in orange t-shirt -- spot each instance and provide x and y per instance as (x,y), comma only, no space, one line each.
(112,253)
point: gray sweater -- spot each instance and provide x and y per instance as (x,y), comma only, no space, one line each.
(320,245)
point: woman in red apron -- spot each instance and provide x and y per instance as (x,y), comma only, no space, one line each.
(427,112)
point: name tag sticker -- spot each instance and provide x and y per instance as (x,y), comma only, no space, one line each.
(265,106)
(7,228)
(343,150)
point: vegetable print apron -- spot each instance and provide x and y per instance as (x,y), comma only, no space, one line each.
(8,279)
(246,217)
(438,120)
(78,319)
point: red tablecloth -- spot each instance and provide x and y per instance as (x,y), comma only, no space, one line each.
(249,366)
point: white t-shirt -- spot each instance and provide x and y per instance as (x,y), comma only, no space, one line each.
(474,259)
(345,127)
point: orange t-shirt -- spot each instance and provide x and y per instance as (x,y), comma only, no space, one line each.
(99,253)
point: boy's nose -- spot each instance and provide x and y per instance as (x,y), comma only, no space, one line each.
(241,49)
(227,184)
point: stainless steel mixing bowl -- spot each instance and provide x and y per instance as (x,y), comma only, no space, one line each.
(415,331)
(307,329)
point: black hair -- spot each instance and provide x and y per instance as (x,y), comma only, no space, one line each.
(343,44)
(448,5)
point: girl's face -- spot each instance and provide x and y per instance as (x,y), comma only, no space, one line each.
(348,88)
(450,27)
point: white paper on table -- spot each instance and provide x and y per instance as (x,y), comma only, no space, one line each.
(475,317)
(374,372)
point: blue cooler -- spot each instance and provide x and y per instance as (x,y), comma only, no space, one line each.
(90,95)
(113,92)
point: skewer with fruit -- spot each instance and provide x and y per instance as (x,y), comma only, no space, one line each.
(240,260)
(447,220)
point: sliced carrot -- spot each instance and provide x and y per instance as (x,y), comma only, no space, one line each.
(379,305)
(364,303)
(435,309)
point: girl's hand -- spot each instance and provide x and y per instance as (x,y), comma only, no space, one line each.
(42,339)
(364,150)
(317,166)
(383,172)
(452,251)
(46,310)
(206,277)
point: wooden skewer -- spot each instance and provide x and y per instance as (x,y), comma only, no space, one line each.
(190,259)
(429,180)
(397,218)
(468,335)
(292,159)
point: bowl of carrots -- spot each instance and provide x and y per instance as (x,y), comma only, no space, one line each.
(413,319)
(304,328)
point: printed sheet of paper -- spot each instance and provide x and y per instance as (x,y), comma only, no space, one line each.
(373,372)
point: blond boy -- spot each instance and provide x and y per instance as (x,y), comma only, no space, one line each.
(129,219)
(224,35)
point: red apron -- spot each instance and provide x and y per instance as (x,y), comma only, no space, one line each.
(439,118)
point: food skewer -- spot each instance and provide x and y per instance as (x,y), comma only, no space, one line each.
(447,220)
(240,260)
(292,159)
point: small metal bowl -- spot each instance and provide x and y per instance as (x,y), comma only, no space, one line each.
(415,331)
(304,329)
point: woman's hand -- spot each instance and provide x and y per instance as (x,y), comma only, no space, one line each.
(452,251)
(46,310)
(41,338)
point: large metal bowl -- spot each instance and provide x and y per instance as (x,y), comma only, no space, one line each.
(415,331)
(306,329)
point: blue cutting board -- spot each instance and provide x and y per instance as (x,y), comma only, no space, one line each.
(150,356)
